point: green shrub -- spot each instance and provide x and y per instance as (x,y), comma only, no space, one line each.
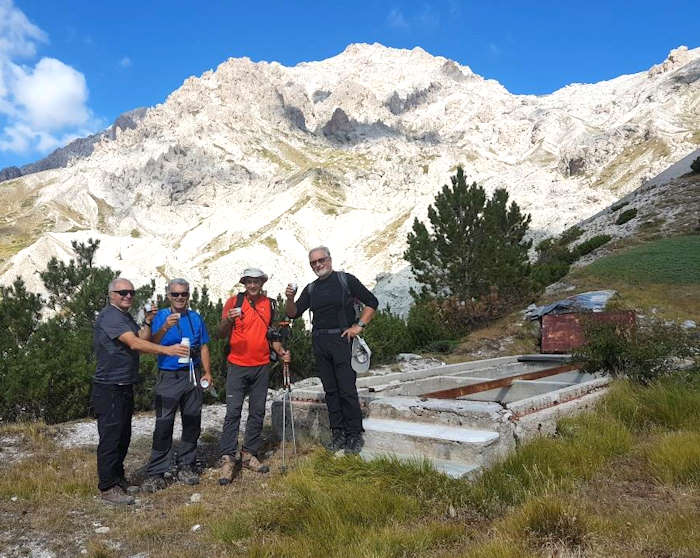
(695,165)
(618,205)
(640,353)
(626,216)
(591,244)
(569,235)
(387,336)
(426,324)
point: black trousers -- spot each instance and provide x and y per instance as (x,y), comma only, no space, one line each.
(242,381)
(333,354)
(114,406)
(174,391)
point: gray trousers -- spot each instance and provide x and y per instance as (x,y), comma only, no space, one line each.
(175,391)
(242,381)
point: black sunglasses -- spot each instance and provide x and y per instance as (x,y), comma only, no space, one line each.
(125,292)
(184,294)
(312,263)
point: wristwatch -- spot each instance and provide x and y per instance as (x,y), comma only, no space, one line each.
(361,324)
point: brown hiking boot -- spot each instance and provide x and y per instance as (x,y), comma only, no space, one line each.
(251,462)
(116,496)
(229,466)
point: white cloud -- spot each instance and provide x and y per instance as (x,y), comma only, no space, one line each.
(52,95)
(18,36)
(397,20)
(125,62)
(41,106)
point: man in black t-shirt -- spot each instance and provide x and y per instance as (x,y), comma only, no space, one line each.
(334,326)
(117,342)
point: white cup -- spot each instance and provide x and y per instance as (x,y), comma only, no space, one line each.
(294,287)
(186,342)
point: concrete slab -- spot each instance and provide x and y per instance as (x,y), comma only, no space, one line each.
(461,434)
(430,430)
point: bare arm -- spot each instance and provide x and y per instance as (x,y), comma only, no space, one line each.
(356,329)
(137,344)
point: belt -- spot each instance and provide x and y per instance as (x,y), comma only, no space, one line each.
(186,369)
(326,331)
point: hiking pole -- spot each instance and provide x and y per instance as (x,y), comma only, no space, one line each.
(286,397)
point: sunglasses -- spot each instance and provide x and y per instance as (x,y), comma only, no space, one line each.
(125,292)
(314,263)
(184,294)
(252,280)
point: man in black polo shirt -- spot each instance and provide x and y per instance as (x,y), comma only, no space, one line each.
(117,342)
(334,327)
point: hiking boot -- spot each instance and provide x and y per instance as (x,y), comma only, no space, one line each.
(229,465)
(337,442)
(126,487)
(251,462)
(154,484)
(116,496)
(187,476)
(353,444)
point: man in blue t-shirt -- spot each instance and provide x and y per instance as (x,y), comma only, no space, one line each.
(178,386)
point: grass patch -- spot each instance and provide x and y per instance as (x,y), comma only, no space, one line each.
(660,275)
(669,260)
(675,458)
(585,444)
(672,403)
(592,490)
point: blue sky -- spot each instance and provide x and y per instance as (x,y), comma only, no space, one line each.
(69,68)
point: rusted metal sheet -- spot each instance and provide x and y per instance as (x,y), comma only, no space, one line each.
(563,332)
(454,393)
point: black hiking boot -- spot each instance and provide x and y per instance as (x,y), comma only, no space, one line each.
(337,442)
(353,444)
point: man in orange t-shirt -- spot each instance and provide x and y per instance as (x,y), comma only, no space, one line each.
(245,320)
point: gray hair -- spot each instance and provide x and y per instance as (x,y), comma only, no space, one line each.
(113,283)
(324,248)
(178,281)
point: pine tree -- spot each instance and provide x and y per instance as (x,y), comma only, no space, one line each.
(475,243)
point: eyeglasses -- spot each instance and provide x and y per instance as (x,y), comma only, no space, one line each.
(184,294)
(125,292)
(253,280)
(319,261)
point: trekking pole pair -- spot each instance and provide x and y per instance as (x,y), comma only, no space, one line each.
(286,399)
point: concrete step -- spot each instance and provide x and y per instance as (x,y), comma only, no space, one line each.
(434,441)
(449,468)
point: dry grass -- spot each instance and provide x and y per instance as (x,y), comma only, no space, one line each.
(601,488)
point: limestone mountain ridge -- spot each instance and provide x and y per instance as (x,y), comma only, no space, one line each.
(254,163)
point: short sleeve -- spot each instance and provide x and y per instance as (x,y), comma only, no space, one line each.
(205,333)
(115,324)
(159,319)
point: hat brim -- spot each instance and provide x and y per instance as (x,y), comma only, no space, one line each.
(263,277)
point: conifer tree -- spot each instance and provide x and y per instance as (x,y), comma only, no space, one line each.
(475,243)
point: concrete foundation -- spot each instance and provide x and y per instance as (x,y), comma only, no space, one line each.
(460,436)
